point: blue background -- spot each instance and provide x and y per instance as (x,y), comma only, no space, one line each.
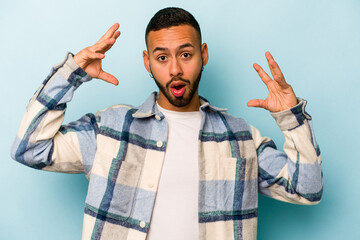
(316,43)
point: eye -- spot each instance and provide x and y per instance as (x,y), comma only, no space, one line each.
(186,55)
(162,58)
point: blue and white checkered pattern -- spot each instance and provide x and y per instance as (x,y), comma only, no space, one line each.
(121,151)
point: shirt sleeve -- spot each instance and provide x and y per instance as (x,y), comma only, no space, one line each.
(294,176)
(42,142)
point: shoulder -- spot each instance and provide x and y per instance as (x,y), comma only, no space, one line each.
(115,109)
(236,123)
(222,121)
(114,115)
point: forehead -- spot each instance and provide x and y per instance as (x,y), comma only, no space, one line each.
(173,37)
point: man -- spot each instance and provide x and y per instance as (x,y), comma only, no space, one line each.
(175,167)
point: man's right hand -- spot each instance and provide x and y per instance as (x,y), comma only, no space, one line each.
(89,59)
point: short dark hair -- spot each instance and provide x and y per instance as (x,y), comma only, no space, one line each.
(171,17)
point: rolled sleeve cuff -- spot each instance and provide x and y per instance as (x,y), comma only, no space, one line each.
(69,67)
(61,83)
(292,118)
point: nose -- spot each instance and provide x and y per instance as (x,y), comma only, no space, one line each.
(175,68)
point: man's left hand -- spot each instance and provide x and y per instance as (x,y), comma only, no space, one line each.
(281,95)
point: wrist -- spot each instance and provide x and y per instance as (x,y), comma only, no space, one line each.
(293,117)
(77,60)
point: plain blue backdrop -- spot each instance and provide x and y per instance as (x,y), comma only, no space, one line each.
(316,43)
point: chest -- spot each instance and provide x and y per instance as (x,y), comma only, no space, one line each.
(129,161)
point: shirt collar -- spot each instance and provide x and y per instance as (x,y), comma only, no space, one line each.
(149,108)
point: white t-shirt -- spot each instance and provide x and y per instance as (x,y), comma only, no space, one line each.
(175,214)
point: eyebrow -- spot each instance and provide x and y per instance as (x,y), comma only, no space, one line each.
(179,48)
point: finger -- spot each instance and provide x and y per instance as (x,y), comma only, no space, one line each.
(110,32)
(275,70)
(263,75)
(116,34)
(257,103)
(281,81)
(109,46)
(270,61)
(274,67)
(104,45)
(107,77)
(94,55)
(85,57)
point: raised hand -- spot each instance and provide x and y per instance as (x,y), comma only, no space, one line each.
(281,95)
(89,59)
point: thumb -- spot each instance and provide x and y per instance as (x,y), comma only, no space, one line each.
(257,103)
(107,77)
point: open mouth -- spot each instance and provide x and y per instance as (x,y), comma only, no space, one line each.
(178,89)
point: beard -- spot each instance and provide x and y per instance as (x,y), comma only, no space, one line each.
(185,99)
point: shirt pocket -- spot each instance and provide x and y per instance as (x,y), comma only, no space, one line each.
(220,192)
(125,189)
(112,189)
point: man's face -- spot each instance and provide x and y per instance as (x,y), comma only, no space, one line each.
(175,58)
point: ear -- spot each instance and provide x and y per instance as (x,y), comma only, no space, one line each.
(204,53)
(146,58)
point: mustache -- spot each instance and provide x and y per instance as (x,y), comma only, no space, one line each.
(177,79)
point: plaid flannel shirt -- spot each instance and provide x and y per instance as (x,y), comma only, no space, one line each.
(121,151)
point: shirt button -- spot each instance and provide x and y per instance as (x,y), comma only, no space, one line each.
(159,143)
(150,185)
(158,117)
(142,224)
